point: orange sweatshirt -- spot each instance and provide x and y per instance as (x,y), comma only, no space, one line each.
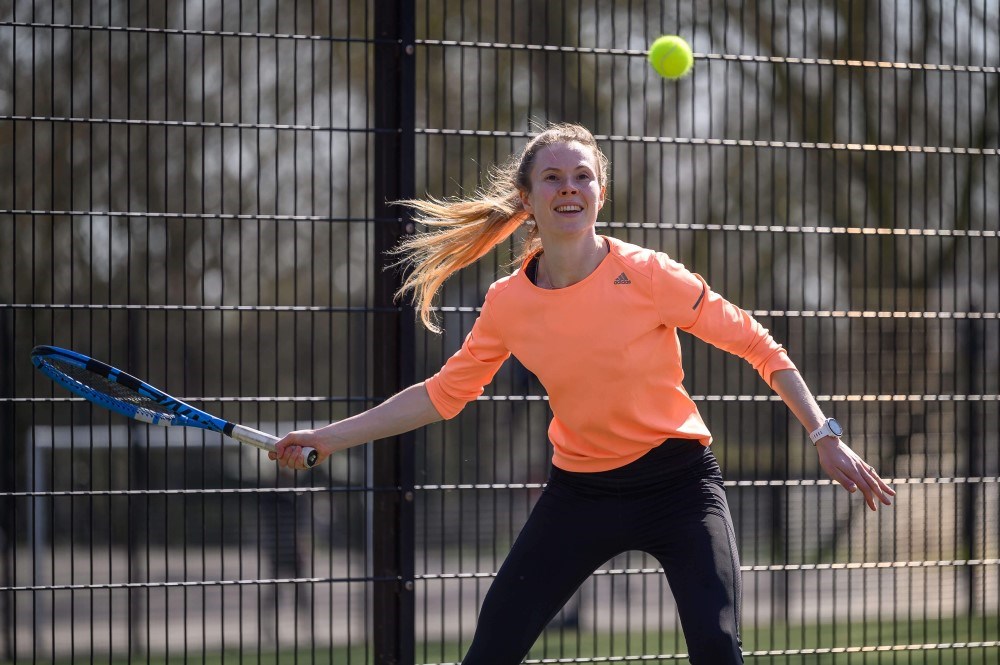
(607,352)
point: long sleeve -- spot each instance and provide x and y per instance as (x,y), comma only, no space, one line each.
(463,377)
(686,301)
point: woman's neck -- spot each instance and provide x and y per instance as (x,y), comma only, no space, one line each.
(567,262)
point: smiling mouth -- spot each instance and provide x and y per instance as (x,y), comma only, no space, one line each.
(569,208)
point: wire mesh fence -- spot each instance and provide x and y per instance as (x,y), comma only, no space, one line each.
(197,192)
(175,202)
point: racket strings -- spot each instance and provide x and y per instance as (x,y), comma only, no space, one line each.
(96,384)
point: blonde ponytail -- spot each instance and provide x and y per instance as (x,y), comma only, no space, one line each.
(462,231)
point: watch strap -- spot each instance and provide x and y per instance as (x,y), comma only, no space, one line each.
(824,430)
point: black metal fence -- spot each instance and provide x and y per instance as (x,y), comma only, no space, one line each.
(198,192)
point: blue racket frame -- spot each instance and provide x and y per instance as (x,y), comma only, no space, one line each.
(179,414)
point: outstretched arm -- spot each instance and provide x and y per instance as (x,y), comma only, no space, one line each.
(840,462)
(408,410)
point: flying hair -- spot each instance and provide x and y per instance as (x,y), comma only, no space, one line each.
(462,230)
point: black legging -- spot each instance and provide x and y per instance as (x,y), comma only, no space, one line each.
(669,503)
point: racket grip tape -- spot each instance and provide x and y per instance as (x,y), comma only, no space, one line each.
(266,441)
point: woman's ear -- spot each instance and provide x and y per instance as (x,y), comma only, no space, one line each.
(600,199)
(525,202)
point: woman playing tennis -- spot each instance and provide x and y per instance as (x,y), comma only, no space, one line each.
(596,320)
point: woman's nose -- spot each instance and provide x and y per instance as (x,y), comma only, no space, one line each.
(567,188)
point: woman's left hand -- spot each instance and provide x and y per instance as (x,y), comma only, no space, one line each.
(846,467)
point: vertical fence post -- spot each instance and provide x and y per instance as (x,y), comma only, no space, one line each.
(8,516)
(393,362)
(974,466)
(138,506)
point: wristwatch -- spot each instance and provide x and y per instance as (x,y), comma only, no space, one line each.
(830,428)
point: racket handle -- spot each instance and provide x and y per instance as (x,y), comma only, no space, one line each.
(267,442)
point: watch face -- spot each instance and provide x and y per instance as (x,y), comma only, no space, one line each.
(835,427)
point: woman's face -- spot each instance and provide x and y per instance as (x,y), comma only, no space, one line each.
(565,189)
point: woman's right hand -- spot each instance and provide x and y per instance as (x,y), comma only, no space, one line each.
(289,449)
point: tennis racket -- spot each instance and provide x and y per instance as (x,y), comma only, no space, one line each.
(123,393)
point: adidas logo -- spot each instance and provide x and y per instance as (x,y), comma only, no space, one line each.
(622,279)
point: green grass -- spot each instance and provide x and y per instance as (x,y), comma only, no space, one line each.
(779,637)
(556,645)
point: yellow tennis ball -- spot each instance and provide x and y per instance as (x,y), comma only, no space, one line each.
(671,56)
